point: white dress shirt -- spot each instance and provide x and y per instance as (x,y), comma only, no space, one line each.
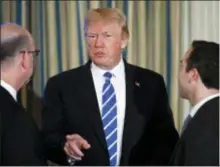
(198,105)
(10,89)
(118,82)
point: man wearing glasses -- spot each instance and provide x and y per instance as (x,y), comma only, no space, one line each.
(20,138)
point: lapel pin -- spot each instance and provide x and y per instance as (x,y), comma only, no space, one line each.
(137,84)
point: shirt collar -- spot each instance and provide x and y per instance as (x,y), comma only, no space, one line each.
(198,105)
(116,71)
(10,89)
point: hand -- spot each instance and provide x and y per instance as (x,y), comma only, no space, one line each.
(74,146)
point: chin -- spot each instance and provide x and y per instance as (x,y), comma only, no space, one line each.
(101,63)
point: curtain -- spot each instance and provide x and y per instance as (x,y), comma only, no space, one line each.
(160,35)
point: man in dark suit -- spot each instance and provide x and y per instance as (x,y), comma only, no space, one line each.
(20,138)
(108,112)
(199,83)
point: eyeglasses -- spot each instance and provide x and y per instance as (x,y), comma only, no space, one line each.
(34,52)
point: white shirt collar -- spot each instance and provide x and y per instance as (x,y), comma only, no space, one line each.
(198,105)
(117,70)
(10,89)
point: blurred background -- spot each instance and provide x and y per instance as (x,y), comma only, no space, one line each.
(161,32)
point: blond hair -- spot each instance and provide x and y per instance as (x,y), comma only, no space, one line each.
(108,15)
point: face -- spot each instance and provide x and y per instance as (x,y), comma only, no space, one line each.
(105,43)
(185,77)
(28,61)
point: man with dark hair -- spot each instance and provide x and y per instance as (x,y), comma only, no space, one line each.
(199,83)
(20,138)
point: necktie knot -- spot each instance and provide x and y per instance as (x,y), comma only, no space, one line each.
(108,75)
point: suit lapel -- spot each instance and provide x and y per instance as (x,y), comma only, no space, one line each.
(134,121)
(88,94)
(129,110)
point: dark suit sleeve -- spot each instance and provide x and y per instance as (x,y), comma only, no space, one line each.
(164,135)
(54,137)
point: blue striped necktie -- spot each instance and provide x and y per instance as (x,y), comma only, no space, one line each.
(109,118)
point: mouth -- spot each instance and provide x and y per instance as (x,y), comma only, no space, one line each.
(99,54)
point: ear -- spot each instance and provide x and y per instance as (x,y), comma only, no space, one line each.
(193,75)
(23,61)
(124,43)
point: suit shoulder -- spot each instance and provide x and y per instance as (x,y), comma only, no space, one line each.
(66,75)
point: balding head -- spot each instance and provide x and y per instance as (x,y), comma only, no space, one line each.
(14,38)
(17,52)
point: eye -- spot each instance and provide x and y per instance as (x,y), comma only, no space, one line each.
(107,35)
(91,36)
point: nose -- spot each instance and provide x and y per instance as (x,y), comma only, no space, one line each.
(99,41)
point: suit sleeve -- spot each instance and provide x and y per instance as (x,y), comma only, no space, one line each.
(52,116)
(164,135)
